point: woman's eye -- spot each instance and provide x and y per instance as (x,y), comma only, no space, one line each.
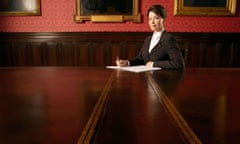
(154,18)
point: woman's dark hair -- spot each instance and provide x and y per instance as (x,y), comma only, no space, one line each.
(157,9)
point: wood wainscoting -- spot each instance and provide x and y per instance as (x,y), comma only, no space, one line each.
(101,48)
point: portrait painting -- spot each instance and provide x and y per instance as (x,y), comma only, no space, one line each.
(205,7)
(205,3)
(19,7)
(107,7)
(107,10)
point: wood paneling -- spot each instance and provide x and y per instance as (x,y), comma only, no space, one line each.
(211,49)
(101,48)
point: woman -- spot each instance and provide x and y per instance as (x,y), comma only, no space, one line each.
(160,49)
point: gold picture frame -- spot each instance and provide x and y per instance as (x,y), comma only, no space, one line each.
(200,8)
(95,11)
(20,8)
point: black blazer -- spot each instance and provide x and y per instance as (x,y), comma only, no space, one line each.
(165,54)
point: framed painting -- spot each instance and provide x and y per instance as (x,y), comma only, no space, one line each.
(205,7)
(20,7)
(107,11)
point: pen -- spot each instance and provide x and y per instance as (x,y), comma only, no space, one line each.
(117,58)
(117,61)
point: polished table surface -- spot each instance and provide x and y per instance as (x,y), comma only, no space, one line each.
(96,105)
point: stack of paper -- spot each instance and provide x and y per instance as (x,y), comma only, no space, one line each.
(140,68)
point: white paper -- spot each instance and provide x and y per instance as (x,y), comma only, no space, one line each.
(137,69)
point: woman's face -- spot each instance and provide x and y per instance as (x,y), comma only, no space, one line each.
(155,22)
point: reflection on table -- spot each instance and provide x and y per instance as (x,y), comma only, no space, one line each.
(98,105)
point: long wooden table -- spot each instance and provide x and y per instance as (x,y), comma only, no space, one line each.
(70,105)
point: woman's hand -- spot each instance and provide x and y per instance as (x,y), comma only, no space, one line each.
(149,64)
(121,63)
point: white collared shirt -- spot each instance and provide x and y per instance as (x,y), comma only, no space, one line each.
(155,39)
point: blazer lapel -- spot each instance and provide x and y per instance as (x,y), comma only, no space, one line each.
(159,43)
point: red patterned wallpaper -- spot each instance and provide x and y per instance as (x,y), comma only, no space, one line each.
(57,16)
